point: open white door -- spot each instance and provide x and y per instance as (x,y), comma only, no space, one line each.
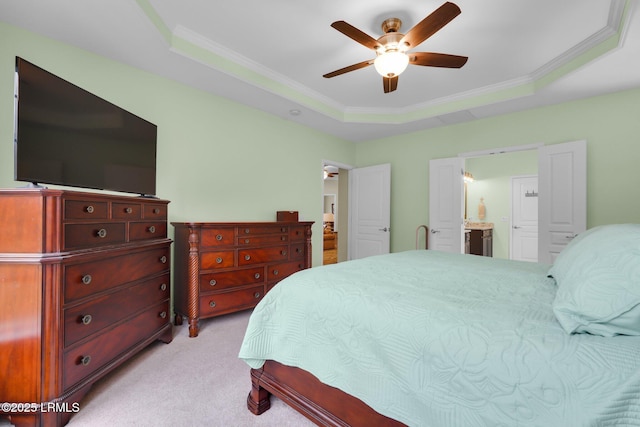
(562,201)
(370,211)
(445,204)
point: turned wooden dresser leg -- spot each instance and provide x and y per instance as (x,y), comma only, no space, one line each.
(177,320)
(194,329)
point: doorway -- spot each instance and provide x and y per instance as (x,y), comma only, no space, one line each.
(335,211)
(561,170)
(491,189)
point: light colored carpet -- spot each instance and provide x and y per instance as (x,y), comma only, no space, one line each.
(189,382)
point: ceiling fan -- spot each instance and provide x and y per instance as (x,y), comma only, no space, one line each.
(392,48)
(330,172)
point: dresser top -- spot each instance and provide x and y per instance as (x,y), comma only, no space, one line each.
(239,223)
(47,192)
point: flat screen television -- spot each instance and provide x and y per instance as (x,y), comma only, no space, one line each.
(67,136)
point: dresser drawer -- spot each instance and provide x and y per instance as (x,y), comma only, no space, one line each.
(147,230)
(91,235)
(107,309)
(217,259)
(217,237)
(154,211)
(297,251)
(296,233)
(260,255)
(250,229)
(85,279)
(262,240)
(224,302)
(218,281)
(85,209)
(126,211)
(282,270)
(83,360)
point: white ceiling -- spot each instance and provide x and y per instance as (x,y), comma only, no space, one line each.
(272,54)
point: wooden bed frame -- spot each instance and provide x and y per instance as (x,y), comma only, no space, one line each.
(322,404)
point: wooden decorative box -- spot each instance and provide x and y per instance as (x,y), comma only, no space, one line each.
(290,216)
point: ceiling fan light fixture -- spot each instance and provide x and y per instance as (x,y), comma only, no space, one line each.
(391,63)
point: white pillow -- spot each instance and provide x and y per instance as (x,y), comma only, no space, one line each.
(598,277)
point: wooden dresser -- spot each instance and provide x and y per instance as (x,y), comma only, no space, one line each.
(84,285)
(222,268)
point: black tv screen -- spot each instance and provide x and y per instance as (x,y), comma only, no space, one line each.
(65,135)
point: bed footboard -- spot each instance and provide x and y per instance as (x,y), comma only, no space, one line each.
(322,404)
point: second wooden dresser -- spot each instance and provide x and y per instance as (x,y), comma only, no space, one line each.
(226,267)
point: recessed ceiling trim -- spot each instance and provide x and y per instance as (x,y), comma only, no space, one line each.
(204,51)
(194,46)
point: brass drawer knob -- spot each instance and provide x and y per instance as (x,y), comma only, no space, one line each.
(219,260)
(163,259)
(163,287)
(128,210)
(247,257)
(102,233)
(275,272)
(156,211)
(163,315)
(212,304)
(246,231)
(86,279)
(283,238)
(246,241)
(89,209)
(257,275)
(257,295)
(218,237)
(212,282)
(86,319)
(298,250)
(152,229)
(283,253)
(85,360)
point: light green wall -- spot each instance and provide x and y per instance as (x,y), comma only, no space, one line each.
(492,176)
(609,123)
(217,160)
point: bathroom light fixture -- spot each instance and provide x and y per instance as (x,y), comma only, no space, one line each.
(468,177)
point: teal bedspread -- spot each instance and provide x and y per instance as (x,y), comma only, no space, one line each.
(437,339)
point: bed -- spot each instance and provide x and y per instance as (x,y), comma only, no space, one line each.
(426,338)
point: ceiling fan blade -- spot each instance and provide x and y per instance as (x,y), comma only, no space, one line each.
(431,59)
(431,24)
(349,68)
(357,35)
(390,83)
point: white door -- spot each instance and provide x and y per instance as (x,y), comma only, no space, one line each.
(445,204)
(370,211)
(562,202)
(524,218)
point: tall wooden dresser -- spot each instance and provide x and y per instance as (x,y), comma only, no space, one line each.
(222,268)
(84,285)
